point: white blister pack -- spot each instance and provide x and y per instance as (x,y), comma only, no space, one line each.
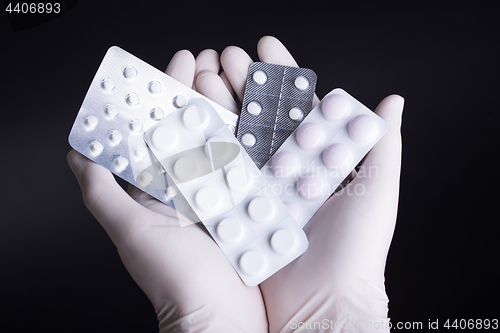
(127,97)
(227,191)
(321,153)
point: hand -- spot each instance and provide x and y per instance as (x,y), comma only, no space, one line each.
(189,281)
(340,278)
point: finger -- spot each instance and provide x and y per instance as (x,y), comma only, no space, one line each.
(117,212)
(236,62)
(229,88)
(381,167)
(181,67)
(207,60)
(211,86)
(271,50)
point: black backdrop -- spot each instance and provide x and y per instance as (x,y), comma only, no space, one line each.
(60,272)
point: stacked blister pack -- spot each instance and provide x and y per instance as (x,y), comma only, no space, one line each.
(180,147)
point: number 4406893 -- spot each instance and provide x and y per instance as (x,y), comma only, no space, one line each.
(34,8)
(477,324)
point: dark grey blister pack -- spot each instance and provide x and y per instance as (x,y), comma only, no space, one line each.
(277,96)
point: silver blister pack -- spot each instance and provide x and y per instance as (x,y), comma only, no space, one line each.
(277,98)
(127,97)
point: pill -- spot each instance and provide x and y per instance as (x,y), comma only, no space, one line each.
(115,137)
(230,231)
(208,200)
(179,101)
(248,139)
(283,241)
(311,186)
(363,128)
(259,77)
(170,192)
(107,84)
(96,147)
(132,99)
(186,168)
(155,87)
(135,125)
(301,83)
(130,72)
(294,210)
(91,122)
(111,110)
(310,136)
(238,179)
(121,163)
(140,152)
(284,165)
(252,263)
(261,209)
(157,114)
(336,156)
(296,114)
(164,138)
(195,118)
(232,128)
(335,107)
(254,108)
(144,179)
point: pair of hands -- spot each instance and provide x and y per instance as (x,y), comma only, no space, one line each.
(337,282)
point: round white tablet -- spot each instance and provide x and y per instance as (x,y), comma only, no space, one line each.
(195,118)
(164,138)
(130,72)
(121,163)
(283,242)
(261,209)
(155,87)
(132,99)
(115,137)
(91,122)
(230,231)
(144,179)
(186,168)
(107,84)
(157,114)
(254,108)
(252,263)
(111,110)
(135,125)
(179,101)
(363,128)
(238,179)
(208,200)
(296,114)
(140,152)
(170,192)
(248,139)
(259,77)
(96,147)
(301,83)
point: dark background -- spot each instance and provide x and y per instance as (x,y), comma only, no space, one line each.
(60,272)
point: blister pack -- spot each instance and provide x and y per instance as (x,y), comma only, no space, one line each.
(321,153)
(127,97)
(277,98)
(207,164)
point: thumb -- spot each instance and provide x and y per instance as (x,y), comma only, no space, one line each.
(115,210)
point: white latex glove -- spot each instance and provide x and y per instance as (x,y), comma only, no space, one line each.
(187,278)
(189,281)
(339,281)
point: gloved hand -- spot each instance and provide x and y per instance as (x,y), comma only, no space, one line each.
(338,282)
